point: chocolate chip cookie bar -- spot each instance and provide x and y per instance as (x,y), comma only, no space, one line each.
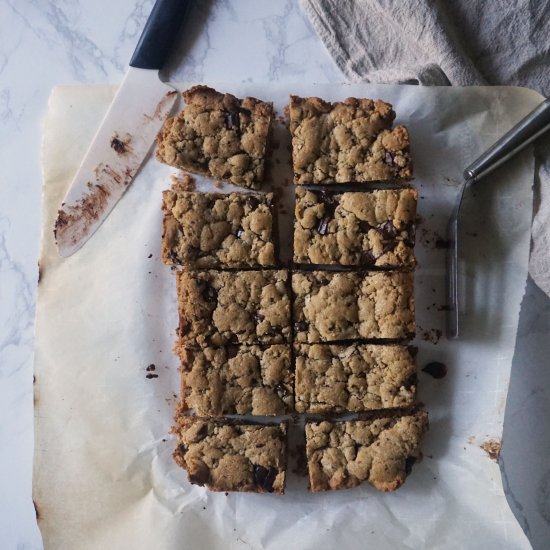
(349,141)
(331,306)
(365,229)
(380,451)
(238,380)
(227,456)
(353,378)
(218,135)
(212,230)
(219,308)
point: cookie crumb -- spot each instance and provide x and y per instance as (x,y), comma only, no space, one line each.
(183,182)
(432,335)
(492,448)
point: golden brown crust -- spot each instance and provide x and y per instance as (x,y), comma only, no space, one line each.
(229,456)
(381,451)
(220,308)
(331,306)
(211,100)
(353,378)
(214,230)
(348,141)
(238,380)
(218,135)
(367,229)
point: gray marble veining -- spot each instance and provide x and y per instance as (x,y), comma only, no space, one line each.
(44,43)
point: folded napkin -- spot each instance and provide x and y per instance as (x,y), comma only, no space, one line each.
(462,43)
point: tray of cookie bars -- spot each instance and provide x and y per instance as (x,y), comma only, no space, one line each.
(243,319)
(260,321)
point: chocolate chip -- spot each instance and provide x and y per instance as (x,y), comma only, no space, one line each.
(208,292)
(150,368)
(258,317)
(412,380)
(322,226)
(181,449)
(409,463)
(232,351)
(367,258)
(264,477)
(232,120)
(281,390)
(200,475)
(435,369)
(203,430)
(388,230)
(174,256)
(389,246)
(300,326)
(240,232)
(252,202)
(329,203)
(365,226)
(193,251)
(151,375)
(244,111)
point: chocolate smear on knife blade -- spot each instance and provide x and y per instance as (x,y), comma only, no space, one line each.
(74,222)
(120,146)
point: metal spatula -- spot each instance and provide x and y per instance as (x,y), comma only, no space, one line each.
(536,123)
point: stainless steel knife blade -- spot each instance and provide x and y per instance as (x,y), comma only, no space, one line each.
(140,107)
(118,149)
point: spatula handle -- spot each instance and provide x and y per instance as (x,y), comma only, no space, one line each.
(536,123)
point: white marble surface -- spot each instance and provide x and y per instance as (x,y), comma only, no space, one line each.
(48,42)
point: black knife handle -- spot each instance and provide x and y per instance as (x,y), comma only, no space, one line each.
(159,34)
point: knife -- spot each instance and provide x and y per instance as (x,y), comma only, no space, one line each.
(141,105)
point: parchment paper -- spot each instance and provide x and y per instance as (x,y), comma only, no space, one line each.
(104,476)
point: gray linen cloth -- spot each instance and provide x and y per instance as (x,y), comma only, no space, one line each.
(449,42)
